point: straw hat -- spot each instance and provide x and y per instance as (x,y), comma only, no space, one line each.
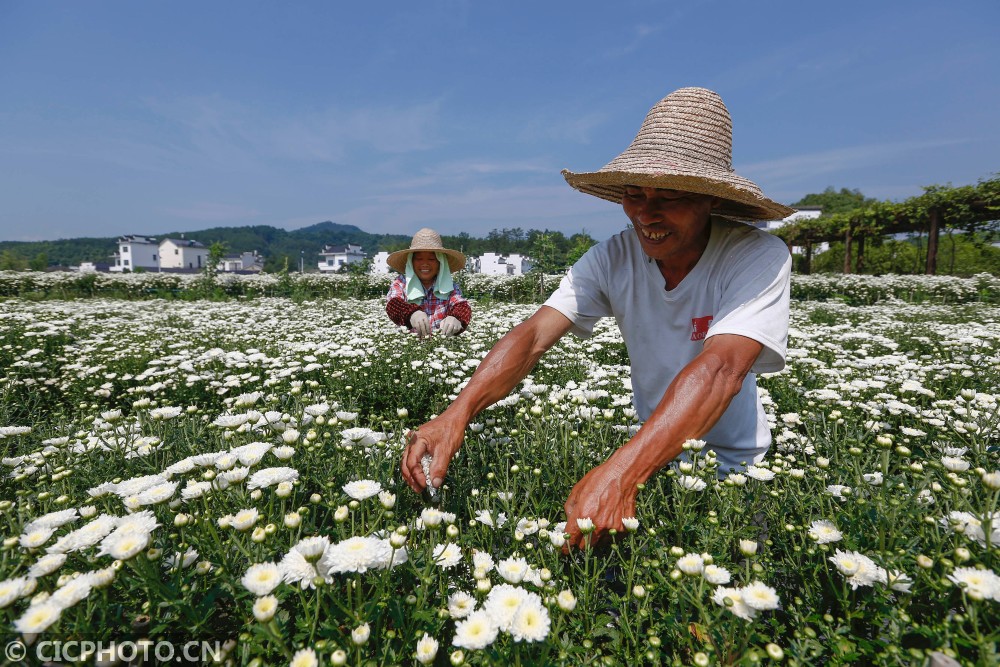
(426,240)
(685,143)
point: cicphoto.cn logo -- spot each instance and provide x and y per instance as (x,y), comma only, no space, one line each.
(145,651)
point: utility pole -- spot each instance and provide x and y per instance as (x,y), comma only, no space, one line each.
(302,262)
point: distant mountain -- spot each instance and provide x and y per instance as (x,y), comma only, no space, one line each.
(281,248)
(273,243)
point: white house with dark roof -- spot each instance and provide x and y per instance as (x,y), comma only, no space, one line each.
(493,264)
(334,257)
(246,261)
(136,252)
(183,254)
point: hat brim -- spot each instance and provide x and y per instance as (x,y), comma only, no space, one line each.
(738,196)
(397,260)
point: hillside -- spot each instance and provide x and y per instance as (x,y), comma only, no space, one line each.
(273,243)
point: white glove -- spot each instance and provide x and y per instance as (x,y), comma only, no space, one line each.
(421,323)
(451,326)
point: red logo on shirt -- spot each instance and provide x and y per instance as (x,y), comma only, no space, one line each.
(699,327)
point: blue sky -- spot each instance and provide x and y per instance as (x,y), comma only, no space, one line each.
(151,117)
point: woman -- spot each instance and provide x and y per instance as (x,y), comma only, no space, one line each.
(425,297)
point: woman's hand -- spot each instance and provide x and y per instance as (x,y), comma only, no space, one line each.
(420,323)
(451,326)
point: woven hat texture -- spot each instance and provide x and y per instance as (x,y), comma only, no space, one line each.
(685,143)
(426,240)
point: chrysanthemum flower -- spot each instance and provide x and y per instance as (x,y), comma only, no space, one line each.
(978,584)
(447,555)
(358,554)
(262,578)
(270,476)
(360,634)
(716,575)
(38,618)
(531,622)
(566,600)
(460,604)
(427,649)
(732,599)
(475,632)
(758,595)
(761,474)
(690,483)
(362,489)
(691,564)
(245,519)
(824,532)
(513,569)
(305,657)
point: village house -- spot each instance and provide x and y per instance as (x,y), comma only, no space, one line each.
(335,257)
(493,264)
(243,263)
(136,252)
(183,254)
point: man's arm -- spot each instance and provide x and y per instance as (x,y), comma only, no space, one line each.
(691,406)
(510,360)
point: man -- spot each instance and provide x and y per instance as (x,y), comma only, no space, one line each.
(701,301)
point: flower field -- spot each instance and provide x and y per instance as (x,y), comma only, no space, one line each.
(228,470)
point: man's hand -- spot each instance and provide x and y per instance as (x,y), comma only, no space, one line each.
(451,326)
(603,497)
(440,438)
(420,323)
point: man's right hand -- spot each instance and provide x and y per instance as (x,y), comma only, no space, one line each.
(441,438)
(420,323)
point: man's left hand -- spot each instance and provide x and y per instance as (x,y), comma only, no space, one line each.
(603,497)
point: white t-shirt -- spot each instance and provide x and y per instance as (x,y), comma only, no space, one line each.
(739,286)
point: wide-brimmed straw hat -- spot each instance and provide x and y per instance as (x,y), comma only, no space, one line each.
(426,240)
(685,143)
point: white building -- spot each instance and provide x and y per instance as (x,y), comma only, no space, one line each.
(136,252)
(804,213)
(247,261)
(183,254)
(337,256)
(380,263)
(492,264)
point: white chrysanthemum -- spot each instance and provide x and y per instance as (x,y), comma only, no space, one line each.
(732,599)
(954,463)
(859,569)
(758,595)
(193,490)
(11,590)
(716,575)
(305,657)
(898,581)
(475,632)
(165,413)
(53,519)
(431,517)
(85,536)
(124,545)
(251,453)
(362,489)
(160,493)
(502,604)
(427,648)
(689,483)
(531,622)
(233,476)
(265,607)
(460,604)
(527,526)
(873,478)
(72,591)
(691,564)
(46,565)
(513,569)
(839,491)
(761,474)
(245,519)
(482,561)
(262,578)
(35,537)
(566,600)
(37,618)
(283,452)
(980,584)
(447,555)
(358,554)
(305,562)
(270,476)
(630,523)
(231,421)
(824,532)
